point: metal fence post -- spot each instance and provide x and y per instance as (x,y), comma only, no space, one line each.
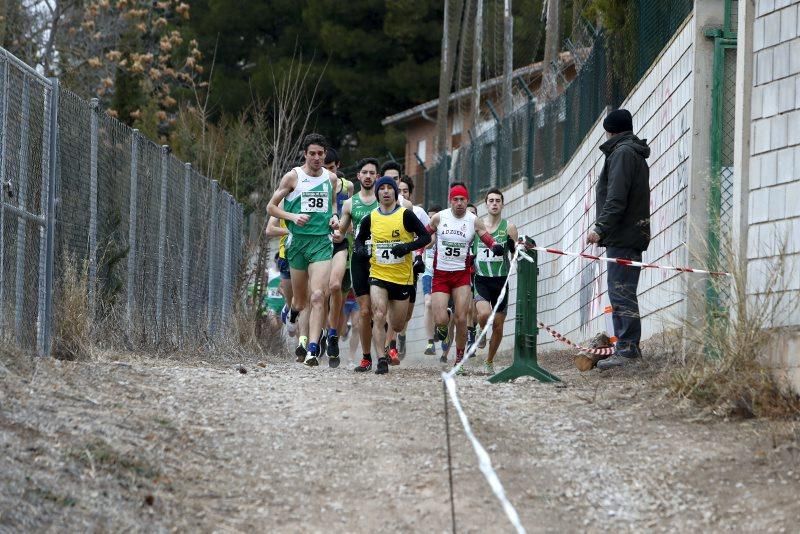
(132,228)
(41,305)
(212,222)
(93,104)
(19,300)
(162,230)
(226,268)
(187,173)
(3,131)
(47,328)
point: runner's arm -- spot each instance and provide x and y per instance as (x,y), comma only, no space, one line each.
(274,228)
(285,187)
(513,236)
(364,230)
(431,226)
(486,237)
(344,222)
(412,224)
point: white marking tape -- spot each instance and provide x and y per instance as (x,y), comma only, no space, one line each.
(484,461)
(630,263)
(602,352)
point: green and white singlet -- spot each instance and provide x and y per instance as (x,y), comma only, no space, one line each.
(486,263)
(359,210)
(311,196)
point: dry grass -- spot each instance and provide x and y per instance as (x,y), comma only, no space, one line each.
(722,367)
(72,332)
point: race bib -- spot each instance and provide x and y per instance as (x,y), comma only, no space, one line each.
(384,254)
(454,250)
(485,255)
(274,293)
(314,201)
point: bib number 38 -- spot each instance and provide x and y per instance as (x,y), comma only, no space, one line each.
(314,202)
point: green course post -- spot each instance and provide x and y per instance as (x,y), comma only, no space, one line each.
(526,328)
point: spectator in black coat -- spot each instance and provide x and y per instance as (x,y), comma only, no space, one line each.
(623,227)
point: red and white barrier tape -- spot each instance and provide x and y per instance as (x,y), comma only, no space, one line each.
(601,352)
(630,263)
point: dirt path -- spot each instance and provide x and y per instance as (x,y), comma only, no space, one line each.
(150,445)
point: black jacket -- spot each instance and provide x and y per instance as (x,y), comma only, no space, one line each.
(623,194)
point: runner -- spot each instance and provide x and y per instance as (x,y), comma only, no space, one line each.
(455,229)
(274,298)
(354,210)
(308,198)
(491,271)
(394,233)
(339,280)
(406,189)
(427,282)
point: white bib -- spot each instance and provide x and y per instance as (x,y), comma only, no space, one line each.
(314,201)
(384,254)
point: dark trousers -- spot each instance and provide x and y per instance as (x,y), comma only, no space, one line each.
(623,282)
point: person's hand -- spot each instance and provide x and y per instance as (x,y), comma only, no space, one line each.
(400,250)
(361,250)
(334,222)
(337,236)
(301,219)
(419,264)
(592,237)
(498,249)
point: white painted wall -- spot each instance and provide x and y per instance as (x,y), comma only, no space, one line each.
(771,183)
(572,292)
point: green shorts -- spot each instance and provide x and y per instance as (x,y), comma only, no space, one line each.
(306,249)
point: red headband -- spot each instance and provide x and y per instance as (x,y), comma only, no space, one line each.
(459,191)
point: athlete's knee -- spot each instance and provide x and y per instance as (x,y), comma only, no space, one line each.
(364,313)
(335,285)
(317,297)
(378,315)
(483,315)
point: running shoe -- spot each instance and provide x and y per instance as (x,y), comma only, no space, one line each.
(460,369)
(470,337)
(443,358)
(323,344)
(311,360)
(364,366)
(401,344)
(285,314)
(333,361)
(482,343)
(300,351)
(441,332)
(393,357)
(488,367)
(430,350)
(383,366)
(333,346)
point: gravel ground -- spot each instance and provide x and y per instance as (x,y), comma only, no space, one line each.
(146,444)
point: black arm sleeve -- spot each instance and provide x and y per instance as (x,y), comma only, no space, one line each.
(364,230)
(412,224)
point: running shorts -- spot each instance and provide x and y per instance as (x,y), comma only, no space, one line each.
(396,291)
(488,288)
(283,267)
(304,250)
(447,281)
(359,274)
(338,247)
(427,282)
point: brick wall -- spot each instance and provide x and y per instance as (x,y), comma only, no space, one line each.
(774,173)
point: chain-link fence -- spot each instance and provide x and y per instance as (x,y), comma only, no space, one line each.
(93,213)
(537,139)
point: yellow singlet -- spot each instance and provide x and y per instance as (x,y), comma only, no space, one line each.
(387,231)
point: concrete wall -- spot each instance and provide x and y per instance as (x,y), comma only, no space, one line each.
(572,292)
(771,178)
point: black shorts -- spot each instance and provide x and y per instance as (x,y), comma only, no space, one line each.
(347,283)
(488,288)
(359,275)
(283,267)
(338,247)
(396,291)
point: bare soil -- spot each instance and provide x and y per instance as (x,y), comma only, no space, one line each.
(143,443)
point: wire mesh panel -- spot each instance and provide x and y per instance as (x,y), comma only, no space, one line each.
(24,174)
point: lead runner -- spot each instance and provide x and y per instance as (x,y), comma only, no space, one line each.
(455,229)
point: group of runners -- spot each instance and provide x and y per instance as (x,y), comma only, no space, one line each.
(349,262)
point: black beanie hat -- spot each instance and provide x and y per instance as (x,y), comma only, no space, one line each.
(618,121)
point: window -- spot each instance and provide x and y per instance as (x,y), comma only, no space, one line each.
(422,145)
